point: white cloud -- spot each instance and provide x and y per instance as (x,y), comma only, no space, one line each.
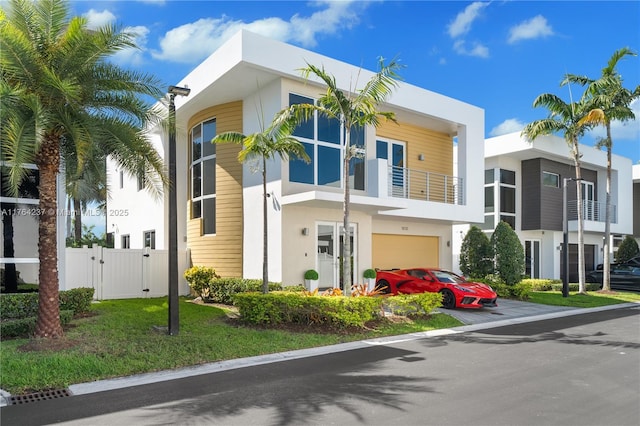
(133,56)
(536,27)
(462,23)
(190,43)
(98,19)
(509,125)
(477,50)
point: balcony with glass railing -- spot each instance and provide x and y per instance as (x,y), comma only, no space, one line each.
(425,186)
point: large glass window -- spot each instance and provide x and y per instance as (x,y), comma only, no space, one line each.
(203,175)
(324,139)
(499,198)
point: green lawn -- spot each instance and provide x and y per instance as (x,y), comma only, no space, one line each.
(120,340)
(590,300)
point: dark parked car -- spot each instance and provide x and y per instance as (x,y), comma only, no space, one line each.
(634,261)
(623,277)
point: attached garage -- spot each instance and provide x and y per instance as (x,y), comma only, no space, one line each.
(404,251)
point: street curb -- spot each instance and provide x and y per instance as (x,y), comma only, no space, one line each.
(215,367)
(148,378)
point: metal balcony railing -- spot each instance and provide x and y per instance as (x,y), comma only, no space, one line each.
(426,186)
(591,211)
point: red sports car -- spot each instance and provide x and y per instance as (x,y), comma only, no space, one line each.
(456,291)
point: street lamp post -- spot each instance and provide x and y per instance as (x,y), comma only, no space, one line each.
(565,236)
(174,317)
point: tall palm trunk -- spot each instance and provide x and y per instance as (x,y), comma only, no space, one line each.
(265,234)
(77,220)
(606,266)
(346,239)
(48,162)
(579,202)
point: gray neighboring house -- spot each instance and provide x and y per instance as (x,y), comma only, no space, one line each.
(524,187)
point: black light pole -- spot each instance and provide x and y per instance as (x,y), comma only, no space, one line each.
(174,317)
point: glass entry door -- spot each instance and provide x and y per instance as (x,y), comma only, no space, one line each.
(329,251)
(532,258)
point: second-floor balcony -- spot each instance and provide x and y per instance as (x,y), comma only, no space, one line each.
(424,186)
(592,211)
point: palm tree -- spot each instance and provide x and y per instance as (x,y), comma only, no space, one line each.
(60,96)
(353,109)
(565,118)
(263,146)
(610,101)
(84,187)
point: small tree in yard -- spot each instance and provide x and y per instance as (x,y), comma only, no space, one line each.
(509,254)
(476,259)
(628,249)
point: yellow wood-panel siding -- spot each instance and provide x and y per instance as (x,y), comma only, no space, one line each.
(404,251)
(222,251)
(437,149)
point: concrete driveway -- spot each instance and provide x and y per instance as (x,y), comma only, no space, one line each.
(506,309)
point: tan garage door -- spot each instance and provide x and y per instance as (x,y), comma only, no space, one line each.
(404,251)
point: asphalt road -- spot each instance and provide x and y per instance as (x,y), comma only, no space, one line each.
(577,370)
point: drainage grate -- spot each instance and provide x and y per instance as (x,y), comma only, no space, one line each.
(38,396)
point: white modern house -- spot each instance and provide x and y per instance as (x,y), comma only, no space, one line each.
(524,186)
(405,195)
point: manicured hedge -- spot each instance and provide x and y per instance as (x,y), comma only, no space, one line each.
(335,311)
(26,326)
(25,305)
(222,290)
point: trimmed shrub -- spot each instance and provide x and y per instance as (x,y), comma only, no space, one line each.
(222,290)
(628,249)
(287,307)
(541,284)
(476,257)
(24,327)
(199,278)
(509,254)
(576,287)
(369,274)
(413,304)
(25,305)
(311,274)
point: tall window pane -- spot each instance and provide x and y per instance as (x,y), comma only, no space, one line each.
(305,129)
(508,177)
(208,133)
(329,166)
(488,176)
(328,129)
(209,176)
(489,203)
(382,150)
(356,173)
(209,212)
(299,171)
(507,200)
(196,143)
(196,186)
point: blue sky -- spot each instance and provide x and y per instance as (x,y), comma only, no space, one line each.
(497,55)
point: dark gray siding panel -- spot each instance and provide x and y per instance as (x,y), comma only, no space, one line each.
(636,210)
(531,194)
(542,205)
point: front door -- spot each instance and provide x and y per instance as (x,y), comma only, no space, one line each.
(329,252)
(532,258)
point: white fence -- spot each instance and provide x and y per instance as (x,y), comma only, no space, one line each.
(121,273)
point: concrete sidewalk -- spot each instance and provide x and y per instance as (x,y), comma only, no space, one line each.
(508,312)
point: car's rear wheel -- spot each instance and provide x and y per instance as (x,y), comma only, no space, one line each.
(383,286)
(448,299)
